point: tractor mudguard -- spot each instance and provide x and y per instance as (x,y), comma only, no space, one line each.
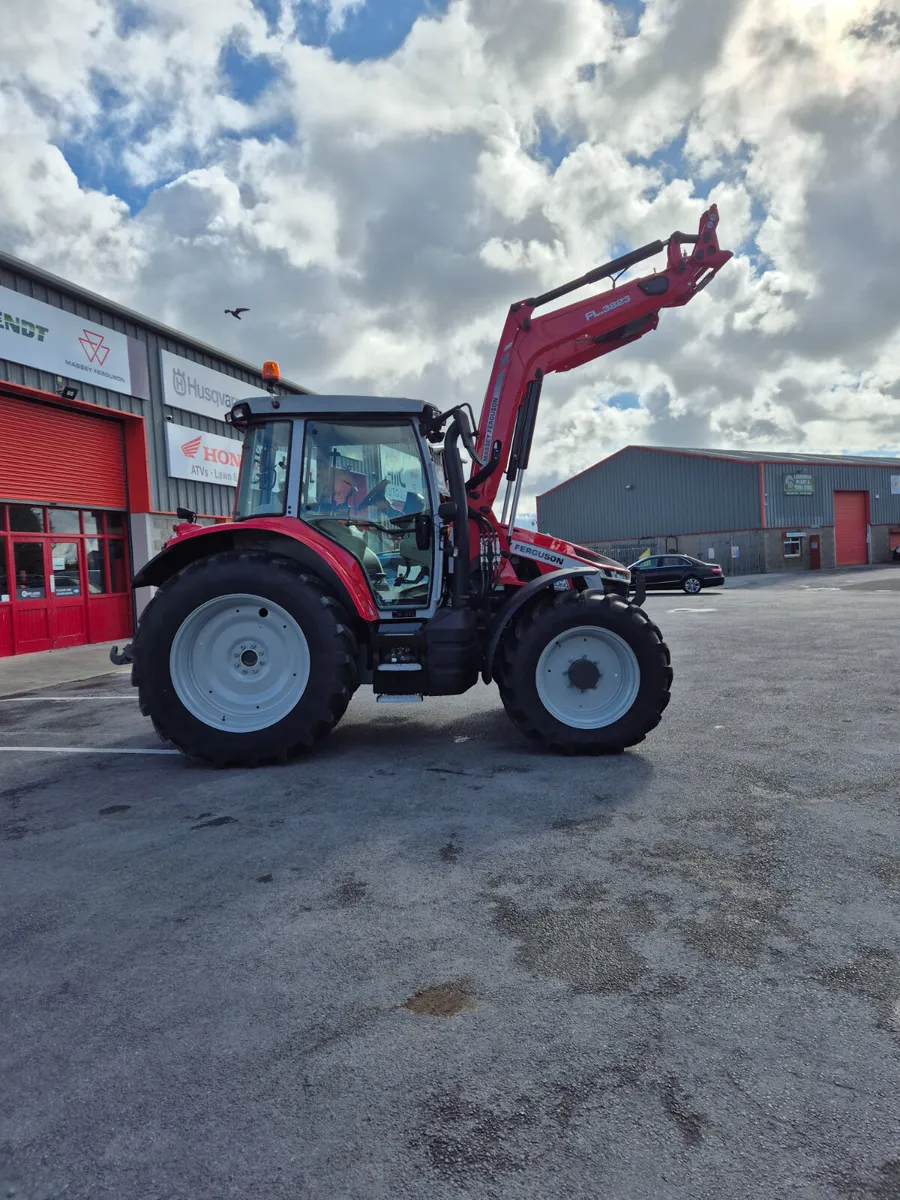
(337,568)
(518,601)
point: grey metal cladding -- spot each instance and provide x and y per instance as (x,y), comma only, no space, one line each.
(804,512)
(669,492)
(167,494)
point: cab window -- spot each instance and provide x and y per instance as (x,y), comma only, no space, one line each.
(362,484)
(262,486)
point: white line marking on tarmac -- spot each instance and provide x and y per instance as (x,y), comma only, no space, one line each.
(693,610)
(78,750)
(58,699)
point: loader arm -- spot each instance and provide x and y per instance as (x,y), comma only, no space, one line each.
(531,347)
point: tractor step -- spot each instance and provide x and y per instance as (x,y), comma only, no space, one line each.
(411,699)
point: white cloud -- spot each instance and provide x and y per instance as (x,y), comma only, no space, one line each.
(378,218)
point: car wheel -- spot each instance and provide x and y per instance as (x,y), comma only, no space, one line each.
(691,585)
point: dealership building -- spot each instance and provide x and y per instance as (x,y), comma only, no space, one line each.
(746,510)
(109,422)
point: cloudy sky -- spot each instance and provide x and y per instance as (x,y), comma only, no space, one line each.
(379,179)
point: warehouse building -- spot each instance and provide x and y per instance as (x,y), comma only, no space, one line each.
(747,511)
(109,422)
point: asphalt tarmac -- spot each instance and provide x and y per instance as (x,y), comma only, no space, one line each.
(433,962)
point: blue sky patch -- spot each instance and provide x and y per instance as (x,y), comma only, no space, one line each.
(552,146)
(271,10)
(373,30)
(630,13)
(623,400)
(245,77)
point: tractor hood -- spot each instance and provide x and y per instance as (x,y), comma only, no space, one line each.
(556,553)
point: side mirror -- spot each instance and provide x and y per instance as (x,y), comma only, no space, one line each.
(447,510)
(423,531)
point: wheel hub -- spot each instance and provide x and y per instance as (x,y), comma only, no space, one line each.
(587,677)
(584,674)
(239,662)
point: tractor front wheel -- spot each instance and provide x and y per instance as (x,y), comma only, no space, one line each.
(585,673)
(243,659)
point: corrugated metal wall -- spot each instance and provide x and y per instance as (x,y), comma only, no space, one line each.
(669,493)
(748,542)
(168,494)
(810,512)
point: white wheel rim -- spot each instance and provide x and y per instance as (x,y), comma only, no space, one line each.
(692,585)
(239,663)
(588,677)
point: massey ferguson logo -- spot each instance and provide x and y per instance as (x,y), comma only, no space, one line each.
(189,449)
(94,347)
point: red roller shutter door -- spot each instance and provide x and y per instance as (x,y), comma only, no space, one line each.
(56,455)
(850,528)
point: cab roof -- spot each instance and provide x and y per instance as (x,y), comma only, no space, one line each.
(335,406)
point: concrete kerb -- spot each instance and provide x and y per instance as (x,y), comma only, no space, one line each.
(50,668)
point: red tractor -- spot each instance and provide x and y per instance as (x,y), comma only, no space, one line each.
(359,553)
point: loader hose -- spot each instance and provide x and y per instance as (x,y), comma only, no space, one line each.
(457,482)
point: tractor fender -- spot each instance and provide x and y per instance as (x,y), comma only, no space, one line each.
(524,594)
(336,567)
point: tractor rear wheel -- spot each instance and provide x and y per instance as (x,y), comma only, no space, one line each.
(585,673)
(243,659)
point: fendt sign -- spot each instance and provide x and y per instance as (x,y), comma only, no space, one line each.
(203,457)
(40,335)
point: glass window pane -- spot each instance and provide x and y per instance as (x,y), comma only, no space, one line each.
(96,575)
(66,569)
(362,483)
(64,520)
(115,523)
(93,522)
(2,516)
(24,519)
(28,563)
(262,484)
(118,579)
(4,582)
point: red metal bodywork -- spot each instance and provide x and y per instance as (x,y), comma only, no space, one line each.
(568,337)
(347,568)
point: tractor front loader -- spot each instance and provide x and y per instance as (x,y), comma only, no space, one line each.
(360,553)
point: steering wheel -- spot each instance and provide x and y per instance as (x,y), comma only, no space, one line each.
(378,488)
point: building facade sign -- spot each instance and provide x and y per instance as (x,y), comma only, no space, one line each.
(203,457)
(895,485)
(195,388)
(798,485)
(40,335)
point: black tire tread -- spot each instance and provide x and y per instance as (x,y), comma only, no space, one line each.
(331,705)
(527,627)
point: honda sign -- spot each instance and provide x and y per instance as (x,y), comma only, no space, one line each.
(203,457)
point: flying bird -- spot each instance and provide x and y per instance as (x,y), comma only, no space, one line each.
(236,312)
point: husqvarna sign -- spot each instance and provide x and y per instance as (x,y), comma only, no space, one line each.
(203,457)
(189,386)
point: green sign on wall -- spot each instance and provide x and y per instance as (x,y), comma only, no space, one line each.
(798,485)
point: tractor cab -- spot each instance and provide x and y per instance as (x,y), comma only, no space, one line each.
(359,470)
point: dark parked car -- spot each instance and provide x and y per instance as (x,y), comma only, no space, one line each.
(677,571)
